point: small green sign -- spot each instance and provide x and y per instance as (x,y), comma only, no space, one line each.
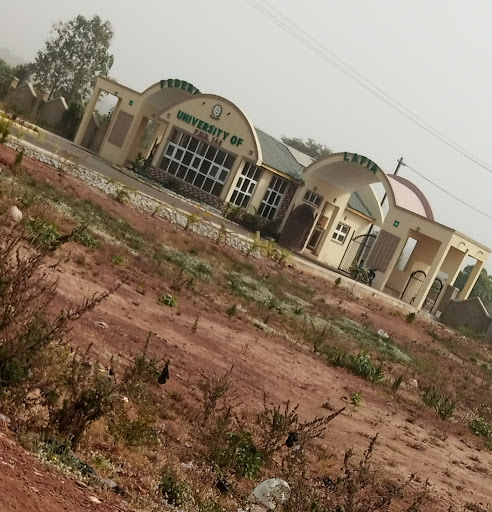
(396,223)
(130,103)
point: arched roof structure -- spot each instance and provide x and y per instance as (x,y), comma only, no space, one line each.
(350,172)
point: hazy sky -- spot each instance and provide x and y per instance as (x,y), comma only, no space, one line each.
(434,57)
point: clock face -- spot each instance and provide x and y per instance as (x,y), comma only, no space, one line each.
(217,111)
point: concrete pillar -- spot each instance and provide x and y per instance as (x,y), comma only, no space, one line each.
(431,275)
(452,277)
(43,97)
(382,277)
(91,107)
(232,179)
(472,279)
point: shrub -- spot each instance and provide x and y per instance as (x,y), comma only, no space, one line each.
(362,366)
(480,426)
(240,454)
(445,408)
(431,397)
(231,311)
(410,318)
(173,491)
(168,300)
(357,399)
(43,233)
(137,432)
(118,259)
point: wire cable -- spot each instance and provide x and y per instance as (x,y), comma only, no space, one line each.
(360,79)
(447,193)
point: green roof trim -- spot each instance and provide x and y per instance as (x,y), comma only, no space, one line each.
(277,155)
(355,202)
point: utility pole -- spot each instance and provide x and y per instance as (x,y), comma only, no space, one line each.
(400,163)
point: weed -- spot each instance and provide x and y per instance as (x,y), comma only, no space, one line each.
(5,125)
(194,329)
(118,259)
(240,454)
(83,237)
(17,162)
(410,318)
(231,311)
(480,427)
(338,281)
(431,397)
(361,365)
(214,388)
(168,300)
(122,195)
(43,233)
(191,219)
(357,399)
(397,382)
(137,432)
(173,491)
(445,408)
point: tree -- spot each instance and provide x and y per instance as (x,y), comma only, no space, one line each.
(23,72)
(5,77)
(76,53)
(310,147)
(482,288)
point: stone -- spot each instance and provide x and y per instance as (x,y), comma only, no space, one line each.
(101,325)
(4,421)
(15,214)
(93,499)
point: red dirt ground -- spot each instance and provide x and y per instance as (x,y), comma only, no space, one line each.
(410,442)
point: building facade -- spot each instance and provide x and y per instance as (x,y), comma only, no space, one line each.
(327,210)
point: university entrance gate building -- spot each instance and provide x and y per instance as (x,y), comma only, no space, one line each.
(327,210)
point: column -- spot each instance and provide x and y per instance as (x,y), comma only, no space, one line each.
(431,274)
(91,106)
(472,279)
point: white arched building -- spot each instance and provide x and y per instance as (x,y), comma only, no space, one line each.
(327,210)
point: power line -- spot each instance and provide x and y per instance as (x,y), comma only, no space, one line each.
(360,79)
(448,193)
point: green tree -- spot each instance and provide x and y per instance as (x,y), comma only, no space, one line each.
(23,72)
(76,53)
(309,147)
(5,77)
(482,288)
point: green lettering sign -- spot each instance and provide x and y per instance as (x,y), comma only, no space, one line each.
(206,128)
(174,83)
(361,160)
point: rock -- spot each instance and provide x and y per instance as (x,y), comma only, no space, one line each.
(4,421)
(188,466)
(413,383)
(101,325)
(108,483)
(15,214)
(270,493)
(93,499)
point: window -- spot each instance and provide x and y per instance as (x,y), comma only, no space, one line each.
(246,185)
(197,162)
(273,198)
(312,198)
(340,234)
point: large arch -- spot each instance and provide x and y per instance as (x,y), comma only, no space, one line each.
(349,172)
(232,121)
